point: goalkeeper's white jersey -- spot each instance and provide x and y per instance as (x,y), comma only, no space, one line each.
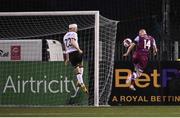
(67,41)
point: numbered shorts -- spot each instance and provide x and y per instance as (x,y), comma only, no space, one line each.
(75,58)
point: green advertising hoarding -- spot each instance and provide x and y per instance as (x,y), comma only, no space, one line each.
(40,83)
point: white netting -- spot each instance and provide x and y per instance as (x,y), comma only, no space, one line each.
(54,27)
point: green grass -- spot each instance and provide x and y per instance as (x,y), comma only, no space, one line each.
(124,111)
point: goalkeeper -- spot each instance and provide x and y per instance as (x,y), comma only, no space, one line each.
(74,54)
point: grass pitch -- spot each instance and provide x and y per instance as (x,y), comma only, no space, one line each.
(120,111)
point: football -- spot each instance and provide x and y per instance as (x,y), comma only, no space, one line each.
(127,42)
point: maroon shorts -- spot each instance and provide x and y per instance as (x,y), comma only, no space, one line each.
(140,60)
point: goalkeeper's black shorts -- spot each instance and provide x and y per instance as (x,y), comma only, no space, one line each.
(75,58)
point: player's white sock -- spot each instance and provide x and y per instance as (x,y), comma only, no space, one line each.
(132,87)
(135,75)
(80,79)
(82,70)
(129,78)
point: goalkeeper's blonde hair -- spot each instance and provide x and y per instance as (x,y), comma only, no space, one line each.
(73,26)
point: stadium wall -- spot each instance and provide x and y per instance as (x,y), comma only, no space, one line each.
(21,50)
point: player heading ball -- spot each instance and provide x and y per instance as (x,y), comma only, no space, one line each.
(74,54)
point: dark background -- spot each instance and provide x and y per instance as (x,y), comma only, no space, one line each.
(159,17)
(171,89)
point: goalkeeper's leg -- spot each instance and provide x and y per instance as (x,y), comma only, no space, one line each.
(79,75)
(76,60)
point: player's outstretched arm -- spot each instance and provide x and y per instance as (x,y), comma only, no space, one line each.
(154,47)
(66,57)
(129,49)
(66,60)
(65,54)
(154,50)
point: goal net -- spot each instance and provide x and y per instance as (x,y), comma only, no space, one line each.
(32,63)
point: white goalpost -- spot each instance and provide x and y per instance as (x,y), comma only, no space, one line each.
(96,66)
(97,38)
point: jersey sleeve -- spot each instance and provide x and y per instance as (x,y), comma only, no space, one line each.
(136,40)
(74,35)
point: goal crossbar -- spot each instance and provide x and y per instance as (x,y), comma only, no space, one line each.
(96,30)
(48,13)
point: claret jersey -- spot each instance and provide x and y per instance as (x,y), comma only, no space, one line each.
(144,43)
